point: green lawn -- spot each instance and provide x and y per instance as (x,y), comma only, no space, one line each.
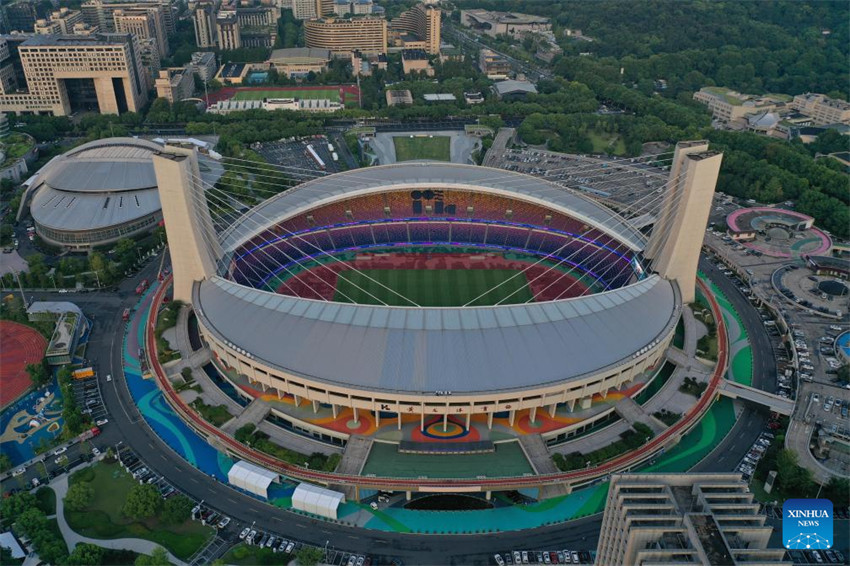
(431,288)
(508,460)
(316,93)
(216,415)
(607,143)
(251,556)
(103,518)
(435,148)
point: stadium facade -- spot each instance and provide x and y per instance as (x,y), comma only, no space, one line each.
(406,359)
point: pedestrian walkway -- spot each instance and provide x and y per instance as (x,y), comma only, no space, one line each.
(634,413)
(535,450)
(72,539)
(356,452)
(294,441)
(500,143)
(254,413)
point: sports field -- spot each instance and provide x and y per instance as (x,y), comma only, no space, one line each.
(331,93)
(432,288)
(435,148)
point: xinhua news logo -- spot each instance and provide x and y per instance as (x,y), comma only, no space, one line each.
(807,524)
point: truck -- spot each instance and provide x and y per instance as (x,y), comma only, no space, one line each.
(331,148)
(335,156)
(83,373)
(90,433)
(125,316)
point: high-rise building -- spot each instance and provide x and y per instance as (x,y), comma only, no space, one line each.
(353,7)
(144,23)
(64,74)
(676,240)
(99,12)
(366,34)
(695,518)
(418,28)
(325,8)
(60,21)
(227,31)
(204,65)
(304,9)
(257,26)
(46,27)
(20,15)
(204,20)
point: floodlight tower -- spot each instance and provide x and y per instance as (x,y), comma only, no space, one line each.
(674,246)
(192,239)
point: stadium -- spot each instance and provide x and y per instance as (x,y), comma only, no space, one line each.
(426,290)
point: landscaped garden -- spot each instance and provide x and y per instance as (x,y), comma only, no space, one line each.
(118,507)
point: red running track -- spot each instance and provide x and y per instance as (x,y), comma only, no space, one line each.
(319,282)
(623,462)
(20,346)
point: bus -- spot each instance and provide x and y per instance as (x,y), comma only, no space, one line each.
(125,316)
(83,373)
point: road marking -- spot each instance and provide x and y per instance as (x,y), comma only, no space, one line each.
(301,526)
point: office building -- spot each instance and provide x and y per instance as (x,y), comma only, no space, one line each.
(729,106)
(399,97)
(64,74)
(204,65)
(299,61)
(204,20)
(367,34)
(257,26)
(304,9)
(227,31)
(175,84)
(695,518)
(418,28)
(61,21)
(98,13)
(326,8)
(822,109)
(46,27)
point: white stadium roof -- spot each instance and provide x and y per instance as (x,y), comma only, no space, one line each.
(251,478)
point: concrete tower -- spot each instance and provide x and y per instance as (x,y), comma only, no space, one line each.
(676,240)
(192,240)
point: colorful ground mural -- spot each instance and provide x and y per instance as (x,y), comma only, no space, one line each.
(31,420)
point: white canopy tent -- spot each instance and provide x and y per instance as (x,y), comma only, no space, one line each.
(317,500)
(251,478)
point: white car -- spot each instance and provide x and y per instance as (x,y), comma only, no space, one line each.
(499,559)
(108,377)
(19,472)
(95,451)
(102,422)
(59,451)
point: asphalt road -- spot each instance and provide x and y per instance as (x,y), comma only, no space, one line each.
(127,426)
(728,454)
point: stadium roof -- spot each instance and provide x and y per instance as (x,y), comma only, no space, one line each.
(102,183)
(429,175)
(423,350)
(513,87)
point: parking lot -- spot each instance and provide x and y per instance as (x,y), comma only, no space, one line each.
(543,557)
(617,180)
(293,153)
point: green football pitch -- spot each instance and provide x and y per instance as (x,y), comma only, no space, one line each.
(320,93)
(432,288)
(436,148)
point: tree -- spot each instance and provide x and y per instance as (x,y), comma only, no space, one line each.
(837,489)
(13,506)
(79,496)
(176,510)
(143,501)
(31,521)
(157,558)
(793,478)
(5,462)
(39,375)
(309,555)
(243,433)
(85,554)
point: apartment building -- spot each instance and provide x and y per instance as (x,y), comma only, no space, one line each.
(64,74)
(19,16)
(227,31)
(326,8)
(305,9)
(417,28)
(46,27)
(257,26)
(822,109)
(353,7)
(203,18)
(175,84)
(366,34)
(708,518)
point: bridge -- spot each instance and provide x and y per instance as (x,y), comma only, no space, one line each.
(775,403)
